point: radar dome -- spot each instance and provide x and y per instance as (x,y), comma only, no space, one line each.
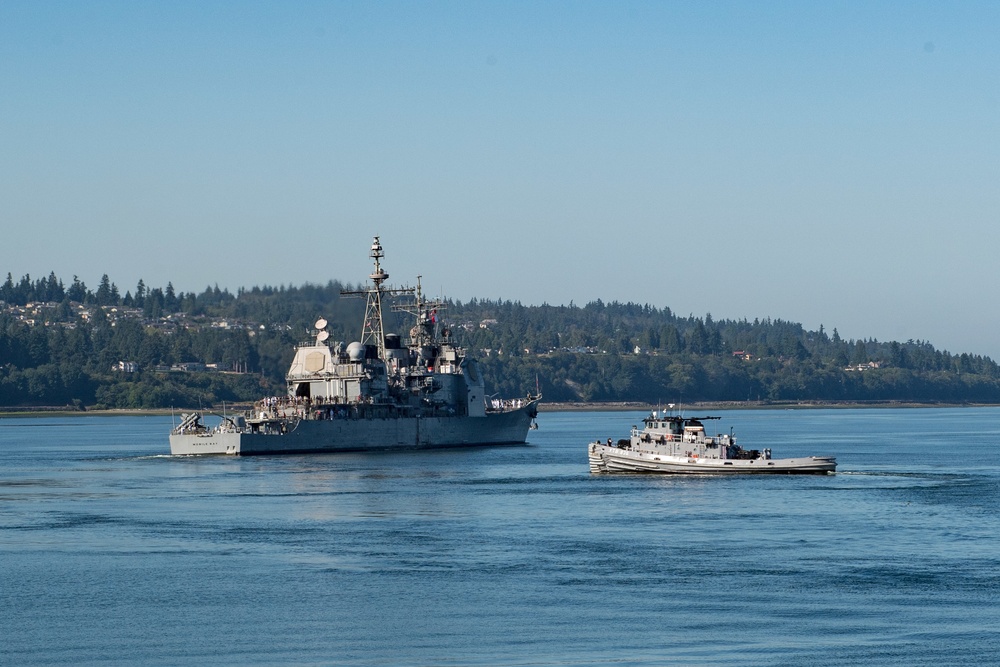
(356,351)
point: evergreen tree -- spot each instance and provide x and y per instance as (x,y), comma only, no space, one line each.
(139,300)
(7,291)
(170,299)
(77,291)
(860,353)
(103,296)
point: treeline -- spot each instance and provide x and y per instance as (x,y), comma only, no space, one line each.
(67,358)
(598,352)
(638,352)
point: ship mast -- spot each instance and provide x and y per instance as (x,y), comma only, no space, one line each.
(426,316)
(373,331)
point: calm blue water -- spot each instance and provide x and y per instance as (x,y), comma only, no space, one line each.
(113,553)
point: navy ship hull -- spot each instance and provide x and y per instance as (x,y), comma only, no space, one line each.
(364,434)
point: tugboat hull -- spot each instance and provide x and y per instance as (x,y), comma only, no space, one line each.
(604,459)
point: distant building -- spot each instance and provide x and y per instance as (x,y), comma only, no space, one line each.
(188,366)
(864,367)
(126,367)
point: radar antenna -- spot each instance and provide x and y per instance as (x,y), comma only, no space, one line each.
(425,313)
(321,333)
(373,331)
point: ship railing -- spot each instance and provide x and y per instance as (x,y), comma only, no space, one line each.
(508,404)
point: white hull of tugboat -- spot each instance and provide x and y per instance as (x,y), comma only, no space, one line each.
(608,459)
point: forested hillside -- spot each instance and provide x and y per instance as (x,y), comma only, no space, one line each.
(156,348)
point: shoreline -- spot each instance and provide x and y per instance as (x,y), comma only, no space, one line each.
(69,412)
(627,406)
(575,406)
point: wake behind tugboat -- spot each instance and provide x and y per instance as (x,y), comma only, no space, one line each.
(671,444)
(376,394)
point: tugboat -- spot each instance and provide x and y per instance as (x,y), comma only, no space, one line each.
(373,394)
(671,444)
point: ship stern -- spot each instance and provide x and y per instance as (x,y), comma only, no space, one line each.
(187,444)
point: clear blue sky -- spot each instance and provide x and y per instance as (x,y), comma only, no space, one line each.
(827,163)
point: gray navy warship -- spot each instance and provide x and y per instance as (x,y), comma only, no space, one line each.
(375,394)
